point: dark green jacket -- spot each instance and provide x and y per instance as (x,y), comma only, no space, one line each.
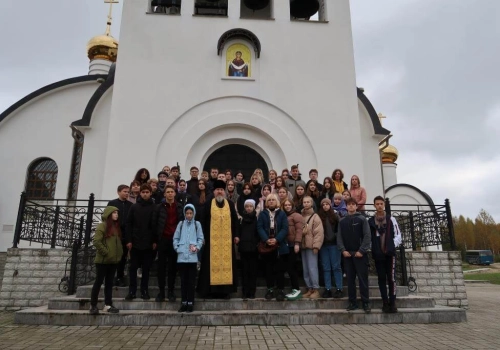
(109,250)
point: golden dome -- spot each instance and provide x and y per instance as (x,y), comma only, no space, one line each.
(390,155)
(103,47)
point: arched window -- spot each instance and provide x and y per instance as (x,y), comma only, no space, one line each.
(42,179)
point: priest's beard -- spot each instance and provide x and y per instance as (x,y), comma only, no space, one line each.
(219,199)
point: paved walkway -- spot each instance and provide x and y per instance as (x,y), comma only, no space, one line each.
(482,331)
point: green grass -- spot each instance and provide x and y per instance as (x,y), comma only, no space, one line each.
(490,277)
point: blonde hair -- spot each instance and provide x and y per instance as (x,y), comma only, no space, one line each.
(273,195)
(152,180)
(337,195)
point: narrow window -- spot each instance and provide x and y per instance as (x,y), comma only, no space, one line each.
(308,10)
(76,162)
(256,9)
(168,7)
(211,8)
(42,179)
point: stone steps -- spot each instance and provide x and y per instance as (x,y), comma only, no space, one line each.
(44,316)
(121,292)
(72,303)
(3,261)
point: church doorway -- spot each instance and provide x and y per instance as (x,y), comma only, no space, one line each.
(236,158)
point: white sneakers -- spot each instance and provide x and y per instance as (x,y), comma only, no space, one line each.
(294,295)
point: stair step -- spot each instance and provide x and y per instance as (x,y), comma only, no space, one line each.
(43,316)
(121,292)
(72,303)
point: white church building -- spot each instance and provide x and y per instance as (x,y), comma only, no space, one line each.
(257,83)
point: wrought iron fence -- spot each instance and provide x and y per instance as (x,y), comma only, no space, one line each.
(66,224)
(71,225)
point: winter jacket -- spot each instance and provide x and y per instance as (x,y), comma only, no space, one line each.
(330,230)
(188,232)
(281,228)
(315,235)
(354,234)
(392,238)
(140,225)
(108,250)
(123,207)
(290,184)
(295,226)
(160,218)
(183,198)
(192,186)
(247,233)
(234,197)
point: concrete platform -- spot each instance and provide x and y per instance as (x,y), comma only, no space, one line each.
(44,316)
(121,292)
(72,303)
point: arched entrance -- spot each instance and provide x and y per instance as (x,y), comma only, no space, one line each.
(237,158)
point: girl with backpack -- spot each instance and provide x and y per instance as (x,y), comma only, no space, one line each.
(188,240)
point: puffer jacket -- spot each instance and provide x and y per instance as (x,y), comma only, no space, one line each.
(315,235)
(281,231)
(108,250)
(187,233)
(295,225)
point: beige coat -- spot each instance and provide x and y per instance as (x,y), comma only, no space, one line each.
(315,235)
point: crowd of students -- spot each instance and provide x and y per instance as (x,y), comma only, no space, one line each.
(278,218)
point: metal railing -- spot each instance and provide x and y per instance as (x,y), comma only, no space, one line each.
(72,224)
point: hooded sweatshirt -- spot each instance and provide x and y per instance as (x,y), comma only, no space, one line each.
(108,250)
(188,233)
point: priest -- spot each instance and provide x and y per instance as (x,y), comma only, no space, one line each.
(218,277)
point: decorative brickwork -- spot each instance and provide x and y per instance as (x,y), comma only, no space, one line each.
(439,275)
(31,277)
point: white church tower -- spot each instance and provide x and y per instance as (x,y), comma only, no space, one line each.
(203,78)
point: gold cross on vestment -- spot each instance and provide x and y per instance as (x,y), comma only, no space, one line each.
(110,2)
(381,116)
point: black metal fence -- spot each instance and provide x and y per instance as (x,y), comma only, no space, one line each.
(71,225)
(65,224)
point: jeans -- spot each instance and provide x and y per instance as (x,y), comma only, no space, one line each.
(310,267)
(330,260)
(357,267)
(104,273)
(386,272)
(188,281)
(167,263)
(143,258)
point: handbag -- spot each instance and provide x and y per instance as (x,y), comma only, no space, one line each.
(264,248)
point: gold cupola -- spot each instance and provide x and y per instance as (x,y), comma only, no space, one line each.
(104,47)
(389,154)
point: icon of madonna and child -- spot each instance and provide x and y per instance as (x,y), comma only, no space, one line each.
(238,59)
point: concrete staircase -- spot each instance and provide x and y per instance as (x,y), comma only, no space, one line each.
(73,310)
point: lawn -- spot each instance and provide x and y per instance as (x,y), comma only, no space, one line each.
(490,277)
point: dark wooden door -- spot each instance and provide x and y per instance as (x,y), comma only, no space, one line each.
(236,158)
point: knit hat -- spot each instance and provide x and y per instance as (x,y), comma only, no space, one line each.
(162,173)
(250,201)
(219,184)
(326,200)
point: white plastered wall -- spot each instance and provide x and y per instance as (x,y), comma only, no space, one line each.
(37,129)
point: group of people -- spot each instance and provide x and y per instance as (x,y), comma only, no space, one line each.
(196,225)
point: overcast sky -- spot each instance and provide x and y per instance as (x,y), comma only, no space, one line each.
(431,66)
